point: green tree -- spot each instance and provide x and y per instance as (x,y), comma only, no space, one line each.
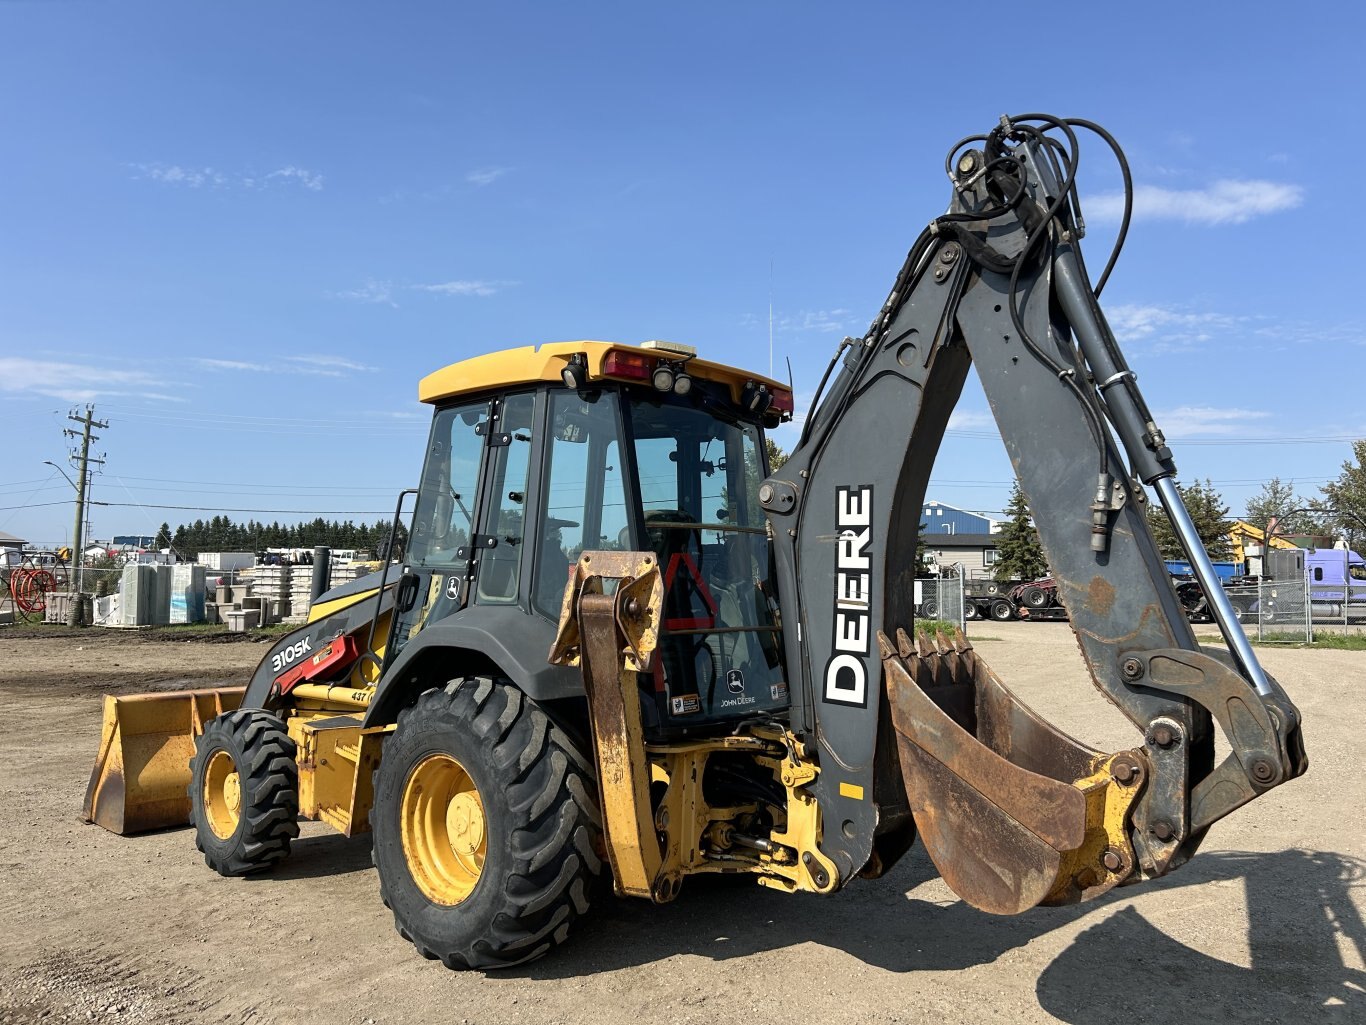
(1346,497)
(1293,513)
(776,456)
(163,538)
(1019,553)
(1209,514)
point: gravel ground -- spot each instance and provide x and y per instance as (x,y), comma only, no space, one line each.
(1265,925)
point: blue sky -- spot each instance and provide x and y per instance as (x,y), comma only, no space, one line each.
(244,231)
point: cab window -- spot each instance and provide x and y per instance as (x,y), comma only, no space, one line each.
(504,520)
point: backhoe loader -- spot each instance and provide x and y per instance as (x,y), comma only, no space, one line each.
(620,642)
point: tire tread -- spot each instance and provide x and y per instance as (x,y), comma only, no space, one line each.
(555,821)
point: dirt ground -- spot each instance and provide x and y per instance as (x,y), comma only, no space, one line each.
(1267,924)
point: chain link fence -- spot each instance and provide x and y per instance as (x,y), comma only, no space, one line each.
(1340,608)
(940,597)
(1284,612)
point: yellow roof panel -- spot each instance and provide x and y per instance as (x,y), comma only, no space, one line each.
(533,363)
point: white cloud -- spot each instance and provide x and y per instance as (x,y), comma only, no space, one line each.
(480,288)
(76,382)
(1133,322)
(970,420)
(179,176)
(482,176)
(825,321)
(829,321)
(308,179)
(328,366)
(1227,201)
(317,365)
(371,292)
(1185,421)
(230,364)
(187,177)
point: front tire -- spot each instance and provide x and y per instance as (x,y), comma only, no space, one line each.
(486,827)
(244,792)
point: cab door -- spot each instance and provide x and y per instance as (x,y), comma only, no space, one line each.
(441,556)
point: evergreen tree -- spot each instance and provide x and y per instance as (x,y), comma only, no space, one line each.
(1293,513)
(1019,553)
(163,538)
(776,456)
(1209,514)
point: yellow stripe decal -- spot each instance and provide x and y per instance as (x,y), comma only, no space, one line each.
(851,790)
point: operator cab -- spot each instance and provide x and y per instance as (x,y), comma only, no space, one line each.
(537,455)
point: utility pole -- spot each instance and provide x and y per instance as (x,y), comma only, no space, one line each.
(82,479)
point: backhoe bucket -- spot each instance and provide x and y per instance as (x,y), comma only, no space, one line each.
(1013,812)
(142,772)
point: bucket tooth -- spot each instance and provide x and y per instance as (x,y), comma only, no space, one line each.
(1013,812)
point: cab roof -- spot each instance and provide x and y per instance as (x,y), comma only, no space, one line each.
(531,364)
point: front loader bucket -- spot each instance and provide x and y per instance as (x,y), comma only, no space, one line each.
(1013,812)
(142,772)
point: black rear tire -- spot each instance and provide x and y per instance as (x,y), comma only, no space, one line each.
(929,610)
(1034,597)
(253,746)
(540,824)
(1002,610)
(970,610)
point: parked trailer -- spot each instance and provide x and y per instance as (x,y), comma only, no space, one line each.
(988,599)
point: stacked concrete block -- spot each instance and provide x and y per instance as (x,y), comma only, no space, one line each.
(300,586)
(226,562)
(105,611)
(272,585)
(58,607)
(242,620)
(135,595)
(187,593)
(160,610)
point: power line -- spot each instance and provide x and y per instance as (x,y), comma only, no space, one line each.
(220,509)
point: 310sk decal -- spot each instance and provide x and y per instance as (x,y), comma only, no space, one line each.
(290,654)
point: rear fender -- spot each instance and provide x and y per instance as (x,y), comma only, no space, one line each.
(503,642)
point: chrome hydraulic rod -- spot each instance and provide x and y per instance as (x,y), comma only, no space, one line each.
(1151,459)
(1215,595)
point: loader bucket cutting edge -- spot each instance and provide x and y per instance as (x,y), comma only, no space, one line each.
(1013,812)
(142,771)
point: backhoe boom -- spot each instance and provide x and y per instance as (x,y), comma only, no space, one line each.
(999,281)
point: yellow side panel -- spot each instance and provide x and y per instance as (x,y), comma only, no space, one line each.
(321,610)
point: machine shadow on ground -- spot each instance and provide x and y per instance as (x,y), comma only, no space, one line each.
(328,854)
(1301,916)
(1303,926)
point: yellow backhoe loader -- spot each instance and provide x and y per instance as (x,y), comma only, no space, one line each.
(619,641)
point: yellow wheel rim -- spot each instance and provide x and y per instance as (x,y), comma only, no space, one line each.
(222,795)
(445,834)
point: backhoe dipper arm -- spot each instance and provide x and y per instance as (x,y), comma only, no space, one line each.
(1000,280)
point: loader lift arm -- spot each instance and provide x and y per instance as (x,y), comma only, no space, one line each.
(1000,281)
